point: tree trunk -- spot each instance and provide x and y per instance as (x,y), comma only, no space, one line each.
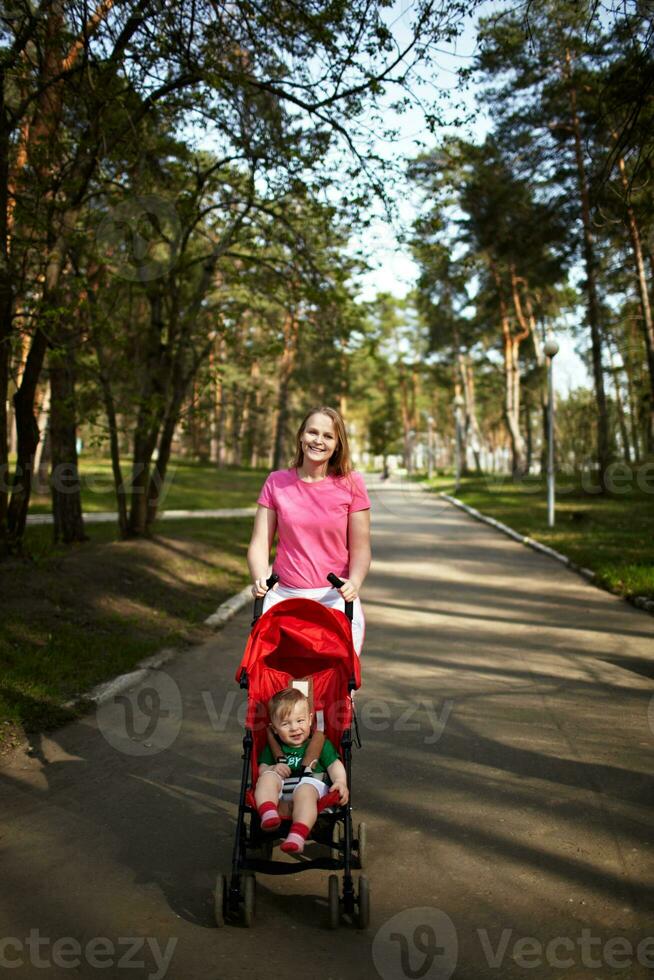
(145,439)
(43,457)
(634,406)
(65,484)
(239,399)
(471,434)
(6,311)
(590,263)
(6,305)
(27,437)
(184,370)
(217,423)
(511,349)
(121,497)
(619,404)
(643,293)
(255,416)
(528,432)
(291,330)
(160,466)
(113,420)
(156,368)
(405,410)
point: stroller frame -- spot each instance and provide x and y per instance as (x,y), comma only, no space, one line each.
(235,894)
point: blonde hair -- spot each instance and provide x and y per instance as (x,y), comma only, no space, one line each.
(282,703)
(340,463)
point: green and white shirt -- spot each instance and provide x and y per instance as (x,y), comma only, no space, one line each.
(295,753)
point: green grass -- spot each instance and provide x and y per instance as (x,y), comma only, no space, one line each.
(72,617)
(188,485)
(611,534)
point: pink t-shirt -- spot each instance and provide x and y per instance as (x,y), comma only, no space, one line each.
(312,520)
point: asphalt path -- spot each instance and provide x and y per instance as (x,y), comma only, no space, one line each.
(505,779)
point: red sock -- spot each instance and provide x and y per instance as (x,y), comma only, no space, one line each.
(294,843)
(270,819)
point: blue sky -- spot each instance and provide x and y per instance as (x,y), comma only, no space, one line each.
(393,268)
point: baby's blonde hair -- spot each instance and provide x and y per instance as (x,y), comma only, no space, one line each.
(282,703)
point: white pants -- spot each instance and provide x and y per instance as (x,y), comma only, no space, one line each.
(328,597)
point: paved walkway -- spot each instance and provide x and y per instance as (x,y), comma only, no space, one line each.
(110,516)
(506,780)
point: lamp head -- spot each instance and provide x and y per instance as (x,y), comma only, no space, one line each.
(550,347)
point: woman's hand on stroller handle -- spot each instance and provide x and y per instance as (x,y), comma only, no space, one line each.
(261,585)
(344,585)
(349,590)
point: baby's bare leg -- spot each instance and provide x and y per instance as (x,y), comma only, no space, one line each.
(305,811)
(266,795)
(305,805)
(267,788)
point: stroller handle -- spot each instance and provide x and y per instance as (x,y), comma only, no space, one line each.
(258,602)
(333,580)
(337,583)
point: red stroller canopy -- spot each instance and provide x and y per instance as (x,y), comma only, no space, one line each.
(300,638)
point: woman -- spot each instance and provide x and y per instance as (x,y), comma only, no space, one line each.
(320,509)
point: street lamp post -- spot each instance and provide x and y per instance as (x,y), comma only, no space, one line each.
(551,349)
(458,405)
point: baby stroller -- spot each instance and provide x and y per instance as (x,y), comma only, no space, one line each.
(298,638)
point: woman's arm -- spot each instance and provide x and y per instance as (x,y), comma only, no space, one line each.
(263,533)
(358,538)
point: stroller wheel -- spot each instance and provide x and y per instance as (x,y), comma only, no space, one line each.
(364,903)
(220,900)
(362,838)
(334,902)
(249,884)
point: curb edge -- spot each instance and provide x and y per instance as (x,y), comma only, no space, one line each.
(108,689)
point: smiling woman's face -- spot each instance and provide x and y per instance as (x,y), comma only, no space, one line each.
(319,439)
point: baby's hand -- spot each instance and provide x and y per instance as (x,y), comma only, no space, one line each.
(343,792)
(282,770)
